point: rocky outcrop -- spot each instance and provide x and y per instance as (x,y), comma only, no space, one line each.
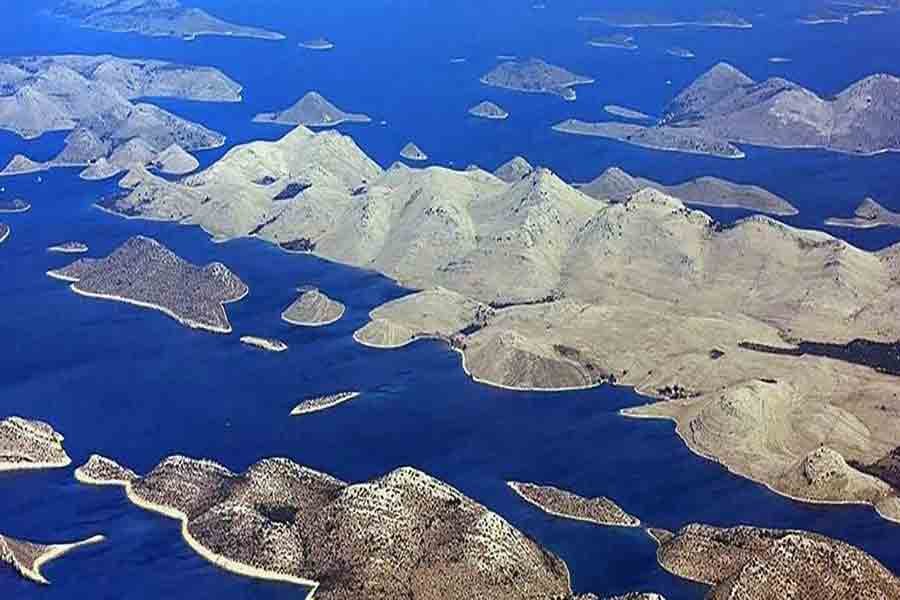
(26,444)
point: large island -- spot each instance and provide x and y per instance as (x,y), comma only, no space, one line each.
(540,286)
(145,273)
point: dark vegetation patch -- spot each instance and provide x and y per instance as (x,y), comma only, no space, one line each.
(884,357)
(267,180)
(263,225)
(545,300)
(887,468)
(299,245)
(716,354)
(292,190)
(278,513)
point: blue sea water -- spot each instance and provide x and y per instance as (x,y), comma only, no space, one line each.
(134,385)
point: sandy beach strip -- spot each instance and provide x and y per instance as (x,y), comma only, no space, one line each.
(55,551)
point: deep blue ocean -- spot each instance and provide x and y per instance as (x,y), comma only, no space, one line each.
(134,385)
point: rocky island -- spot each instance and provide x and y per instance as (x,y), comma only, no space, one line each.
(320,403)
(749,563)
(26,444)
(285,522)
(488,110)
(145,273)
(156,18)
(4,232)
(268,344)
(626,113)
(616,40)
(616,185)
(560,503)
(724,107)
(94,97)
(540,286)
(535,76)
(69,248)
(14,206)
(679,52)
(317,44)
(412,152)
(868,214)
(634,20)
(313,309)
(26,558)
(312,110)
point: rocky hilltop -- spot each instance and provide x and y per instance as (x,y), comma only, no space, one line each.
(616,185)
(154,18)
(26,444)
(540,286)
(145,273)
(26,558)
(748,563)
(94,97)
(405,534)
(312,110)
(535,75)
(725,106)
(313,309)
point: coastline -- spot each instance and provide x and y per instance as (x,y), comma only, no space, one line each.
(626,412)
(187,322)
(515,485)
(216,559)
(270,119)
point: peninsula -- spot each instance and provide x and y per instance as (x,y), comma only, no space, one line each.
(156,18)
(268,344)
(615,185)
(145,273)
(320,403)
(540,286)
(94,97)
(749,563)
(564,504)
(69,248)
(868,214)
(535,76)
(26,558)
(26,444)
(285,522)
(312,110)
(616,40)
(14,206)
(724,107)
(313,309)
(488,110)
